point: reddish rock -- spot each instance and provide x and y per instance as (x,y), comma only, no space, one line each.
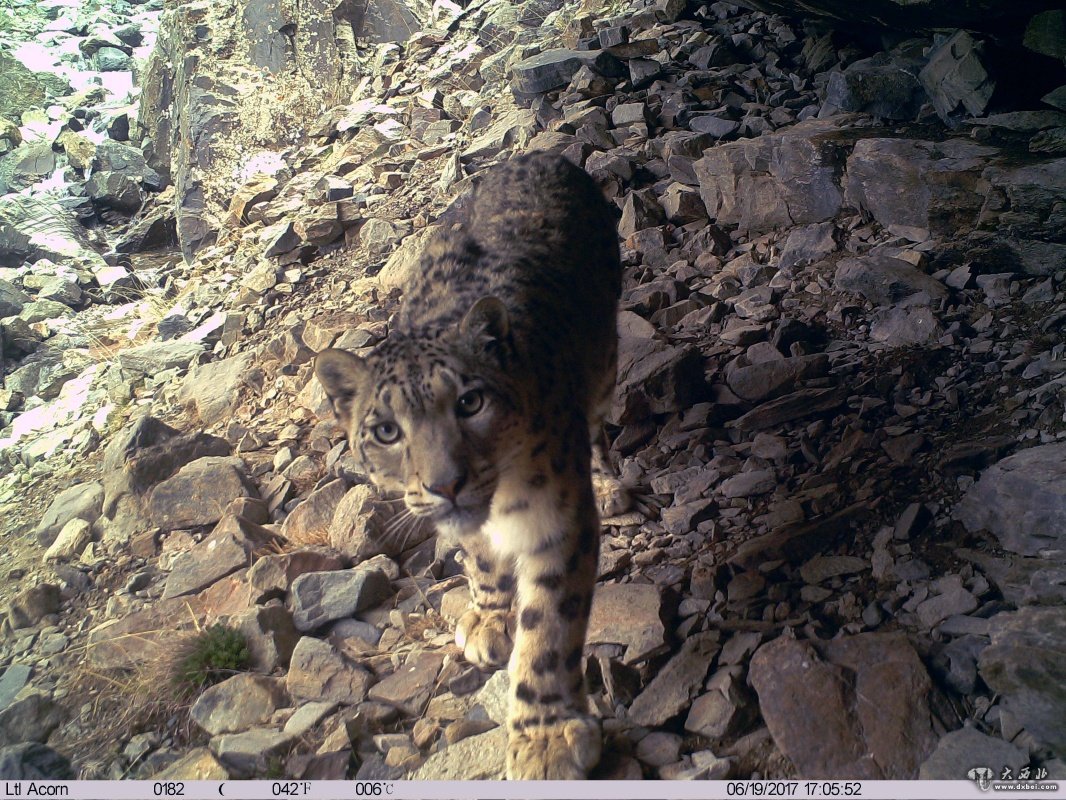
(828,710)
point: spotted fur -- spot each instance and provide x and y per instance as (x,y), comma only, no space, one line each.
(481,408)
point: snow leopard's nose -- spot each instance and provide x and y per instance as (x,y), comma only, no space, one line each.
(448,488)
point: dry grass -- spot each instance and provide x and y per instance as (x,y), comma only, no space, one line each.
(155,695)
(317,536)
(107,338)
(430,620)
(118,704)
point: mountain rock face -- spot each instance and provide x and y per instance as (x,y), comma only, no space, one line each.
(839,403)
(201,113)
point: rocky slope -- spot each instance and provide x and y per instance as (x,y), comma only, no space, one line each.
(840,402)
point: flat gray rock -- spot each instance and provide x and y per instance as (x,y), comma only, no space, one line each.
(155,357)
(307,716)
(11,682)
(482,757)
(554,68)
(798,404)
(318,672)
(410,686)
(769,379)
(198,493)
(749,484)
(628,614)
(710,715)
(956,600)
(673,687)
(1026,666)
(230,547)
(322,597)
(903,327)
(659,748)
(960,751)
(238,703)
(884,280)
(83,501)
(213,389)
(1021,500)
(248,753)
(821,568)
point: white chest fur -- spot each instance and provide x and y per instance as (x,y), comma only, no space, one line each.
(522,519)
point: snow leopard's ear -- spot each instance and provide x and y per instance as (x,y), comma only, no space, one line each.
(486,320)
(343,375)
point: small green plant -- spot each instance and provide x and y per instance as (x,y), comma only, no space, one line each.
(211,656)
(275,769)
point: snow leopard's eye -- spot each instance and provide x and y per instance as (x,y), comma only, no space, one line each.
(470,403)
(386,432)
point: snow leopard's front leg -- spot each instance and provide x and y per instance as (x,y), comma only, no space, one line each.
(556,533)
(484,633)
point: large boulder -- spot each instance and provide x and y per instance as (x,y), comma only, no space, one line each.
(956,80)
(115,190)
(32,229)
(143,454)
(1029,200)
(938,186)
(882,85)
(827,710)
(198,493)
(654,378)
(12,299)
(82,501)
(384,21)
(1046,33)
(233,543)
(1026,667)
(214,388)
(960,750)
(1021,500)
(22,88)
(884,280)
(554,68)
(26,165)
(790,177)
